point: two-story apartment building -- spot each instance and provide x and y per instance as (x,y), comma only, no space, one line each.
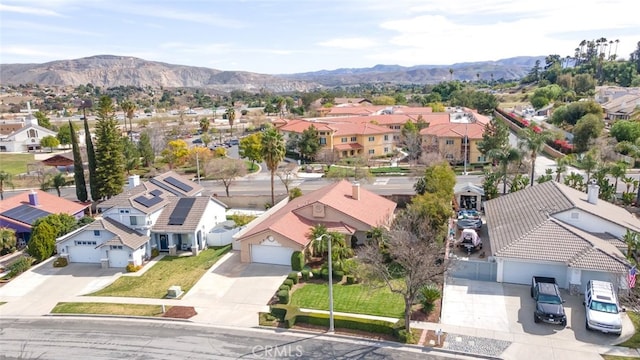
(344,139)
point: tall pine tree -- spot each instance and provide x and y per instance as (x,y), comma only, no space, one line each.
(78,168)
(109,151)
(91,159)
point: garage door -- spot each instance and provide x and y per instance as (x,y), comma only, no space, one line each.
(83,254)
(521,272)
(279,255)
(118,258)
(597,275)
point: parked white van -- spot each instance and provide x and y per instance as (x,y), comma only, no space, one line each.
(602,308)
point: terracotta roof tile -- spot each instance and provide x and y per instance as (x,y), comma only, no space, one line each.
(46,202)
(371,209)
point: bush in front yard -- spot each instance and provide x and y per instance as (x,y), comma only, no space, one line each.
(60,262)
(19,266)
(155,252)
(338,275)
(288,282)
(133,268)
(351,279)
(325,274)
(283,296)
(305,274)
(317,274)
(293,276)
(429,294)
(284,287)
(297,261)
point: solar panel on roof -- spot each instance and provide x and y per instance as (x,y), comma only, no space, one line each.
(180,212)
(179,184)
(25,213)
(156,192)
(148,202)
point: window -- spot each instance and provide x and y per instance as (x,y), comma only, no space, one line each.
(96,232)
(124,211)
(372,138)
(371,152)
(481,159)
(116,247)
(449,156)
(354,139)
(133,220)
(32,133)
(323,141)
(344,140)
(449,142)
(386,150)
(386,137)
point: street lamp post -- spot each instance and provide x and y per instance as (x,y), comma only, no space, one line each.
(466,146)
(329,240)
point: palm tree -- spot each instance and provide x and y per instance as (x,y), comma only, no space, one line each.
(618,170)
(561,166)
(534,142)
(58,181)
(615,53)
(588,164)
(504,157)
(273,152)
(451,73)
(7,240)
(632,239)
(5,180)
(129,108)
(231,116)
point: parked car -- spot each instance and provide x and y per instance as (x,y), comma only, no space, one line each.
(549,308)
(197,141)
(602,308)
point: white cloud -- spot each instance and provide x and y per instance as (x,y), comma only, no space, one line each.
(28,10)
(349,43)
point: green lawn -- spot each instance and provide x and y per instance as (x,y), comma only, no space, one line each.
(15,163)
(108,309)
(634,341)
(357,298)
(183,271)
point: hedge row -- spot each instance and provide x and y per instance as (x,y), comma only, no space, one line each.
(290,315)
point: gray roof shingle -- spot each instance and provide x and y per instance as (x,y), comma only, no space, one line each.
(191,221)
(122,235)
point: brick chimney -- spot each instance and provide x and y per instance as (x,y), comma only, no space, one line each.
(355,191)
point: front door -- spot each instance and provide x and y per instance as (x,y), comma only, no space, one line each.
(164,243)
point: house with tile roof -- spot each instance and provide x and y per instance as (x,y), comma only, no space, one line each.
(344,139)
(104,241)
(20,211)
(454,141)
(342,207)
(551,229)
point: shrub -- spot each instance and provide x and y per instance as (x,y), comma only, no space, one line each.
(429,295)
(279,311)
(284,287)
(60,262)
(325,274)
(133,268)
(283,296)
(305,274)
(338,275)
(19,266)
(288,282)
(266,319)
(297,261)
(351,279)
(317,274)
(406,337)
(155,252)
(293,276)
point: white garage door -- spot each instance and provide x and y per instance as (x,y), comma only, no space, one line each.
(83,254)
(521,272)
(279,255)
(598,275)
(118,258)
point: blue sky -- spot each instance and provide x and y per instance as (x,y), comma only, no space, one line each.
(288,36)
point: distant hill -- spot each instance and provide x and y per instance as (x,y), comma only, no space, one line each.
(110,71)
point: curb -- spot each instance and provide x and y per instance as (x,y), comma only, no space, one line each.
(382,343)
(99,316)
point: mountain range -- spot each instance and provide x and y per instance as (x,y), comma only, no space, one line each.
(111,70)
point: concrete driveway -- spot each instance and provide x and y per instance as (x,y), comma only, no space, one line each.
(232,293)
(505,311)
(40,288)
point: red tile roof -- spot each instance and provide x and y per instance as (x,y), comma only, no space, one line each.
(46,202)
(455,130)
(371,209)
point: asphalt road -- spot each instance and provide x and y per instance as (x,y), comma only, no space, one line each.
(89,338)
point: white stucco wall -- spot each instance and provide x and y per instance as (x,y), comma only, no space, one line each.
(589,222)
